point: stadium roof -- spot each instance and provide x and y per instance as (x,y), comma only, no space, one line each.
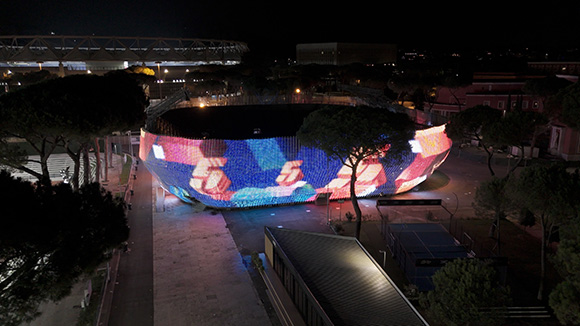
(53,48)
(348,284)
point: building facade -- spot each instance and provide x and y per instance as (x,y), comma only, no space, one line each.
(503,91)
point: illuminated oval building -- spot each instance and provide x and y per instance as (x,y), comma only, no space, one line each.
(249,156)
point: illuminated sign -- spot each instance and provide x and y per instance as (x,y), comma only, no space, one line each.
(273,171)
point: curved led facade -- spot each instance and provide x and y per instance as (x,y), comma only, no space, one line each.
(273,171)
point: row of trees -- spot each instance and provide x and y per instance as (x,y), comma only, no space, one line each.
(69,112)
(53,234)
(467,291)
(542,194)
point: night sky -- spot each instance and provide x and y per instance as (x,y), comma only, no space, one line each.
(277,26)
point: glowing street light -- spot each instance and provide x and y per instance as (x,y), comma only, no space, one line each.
(159,79)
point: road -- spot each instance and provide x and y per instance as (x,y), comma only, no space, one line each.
(133,300)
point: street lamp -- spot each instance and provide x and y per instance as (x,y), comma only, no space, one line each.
(159,79)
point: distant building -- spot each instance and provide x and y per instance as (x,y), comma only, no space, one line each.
(503,91)
(568,68)
(345,53)
(170,58)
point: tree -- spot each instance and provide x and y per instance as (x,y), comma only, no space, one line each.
(118,106)
(49,237)
(354,134)
(70,112)
(569,98)
(29,113)
(19,79)
(417,84)
(549,193)
(491,201)
(517,128)
(454,83)
(473,124)
(545,88)
(466,292)
(565,298)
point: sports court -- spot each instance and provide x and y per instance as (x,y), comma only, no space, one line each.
(420,249)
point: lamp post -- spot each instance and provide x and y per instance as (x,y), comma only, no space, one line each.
(159,79)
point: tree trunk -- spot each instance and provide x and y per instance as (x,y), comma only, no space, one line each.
(75,157)
(44,167)
(98,159)
(107,158)
(456,100)
(489,157)
(542,260)
(498,234)
(45,150)
(354,201)
(76,181)
(520,159)
(86,165)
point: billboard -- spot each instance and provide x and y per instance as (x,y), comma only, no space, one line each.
(272,171)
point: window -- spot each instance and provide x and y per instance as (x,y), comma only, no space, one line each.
(500,105)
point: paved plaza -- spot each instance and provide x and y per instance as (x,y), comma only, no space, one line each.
(199,276)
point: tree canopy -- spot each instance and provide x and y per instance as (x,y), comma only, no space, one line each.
(565,298)
(516,128)
(353,134)
(491,201)
(550,194)
(465,290)
(473,124)
(66,111)
(49,236)
(566,105)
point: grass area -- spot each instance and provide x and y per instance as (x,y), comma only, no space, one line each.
(88,315)
(126,171)
(125,174)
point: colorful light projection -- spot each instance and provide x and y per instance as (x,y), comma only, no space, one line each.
(273,171)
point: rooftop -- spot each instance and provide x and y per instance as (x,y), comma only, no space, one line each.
(348,284)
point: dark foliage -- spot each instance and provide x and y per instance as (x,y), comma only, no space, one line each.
(49,237)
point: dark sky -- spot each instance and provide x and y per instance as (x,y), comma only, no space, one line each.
(277,26)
